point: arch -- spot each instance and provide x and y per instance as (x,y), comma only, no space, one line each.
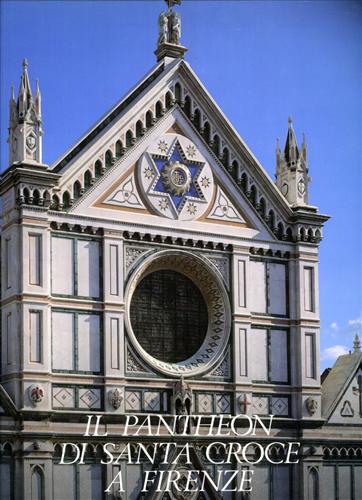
(77,190)
(178,93)
(36,197)
(98,167)
(236,171)
(262,207)
(207,132)
(149,119)
(87,179)
(7,449)
(289,234)
(55,202)
(303,234)
(37,483)
(159,109)
(216,145)
(119,148)
(310,234)
(244,182)
(318,235)
(169,99)
(139,129)
(109,158)
(226,157)
(280,230)
(313,484)
(46,197)
(253,195)
(129,138)
(197,119)
(188,106)
(66,199)
(26,194)
(271,219)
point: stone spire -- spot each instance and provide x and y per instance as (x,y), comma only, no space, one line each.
(25,125)
(169,26)
(292,169)
(357,344)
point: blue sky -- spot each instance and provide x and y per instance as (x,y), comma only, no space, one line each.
(261,61)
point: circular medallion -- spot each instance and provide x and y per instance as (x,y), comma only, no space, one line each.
(301,186)
(177,313)
(175,178)
(31,141)
(285,189)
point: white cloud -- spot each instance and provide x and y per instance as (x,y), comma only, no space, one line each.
(334,326)
(332,353)
(355,322)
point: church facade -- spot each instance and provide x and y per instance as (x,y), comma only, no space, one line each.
(156,269)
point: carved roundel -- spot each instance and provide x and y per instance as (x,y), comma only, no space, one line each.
(173,340)
(175,178)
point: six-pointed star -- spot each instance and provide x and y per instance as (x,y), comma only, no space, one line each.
(158,186)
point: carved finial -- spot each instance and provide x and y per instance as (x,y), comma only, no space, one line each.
(25,63)
(12,93)
(357,344)
(278,145)
(290,120)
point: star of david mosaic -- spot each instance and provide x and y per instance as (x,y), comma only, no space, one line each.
(176,178)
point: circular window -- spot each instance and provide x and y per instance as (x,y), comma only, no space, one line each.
(169,316)
(177,313)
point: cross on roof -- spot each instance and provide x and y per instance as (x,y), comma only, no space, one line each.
(171,3)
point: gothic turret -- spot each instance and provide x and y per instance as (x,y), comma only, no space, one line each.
(25,126)
(292,169)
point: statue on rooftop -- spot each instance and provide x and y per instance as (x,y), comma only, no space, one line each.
(169,25)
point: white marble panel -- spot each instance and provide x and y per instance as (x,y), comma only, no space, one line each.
(64,477)
(279,355)
(35,244)
(277,289)
(308,273)
(90,482)
(62,341)
(88,268)
(62,266)
(258,287)
(88,342)
(259,366)
(35,331)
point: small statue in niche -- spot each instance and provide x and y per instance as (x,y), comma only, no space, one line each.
(312,405)
(182,397)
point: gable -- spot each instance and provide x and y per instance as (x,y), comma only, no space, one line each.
(342,391)
(348,408)
(169,89)
(136,184)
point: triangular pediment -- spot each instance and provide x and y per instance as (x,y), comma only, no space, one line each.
(136,184)
(342,391)
(171,100)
